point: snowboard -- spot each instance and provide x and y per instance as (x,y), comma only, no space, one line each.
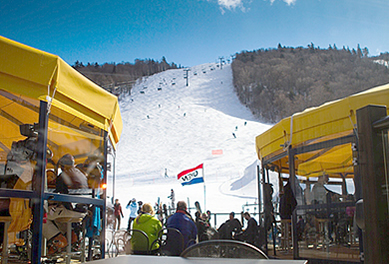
(198,208)
(165,210)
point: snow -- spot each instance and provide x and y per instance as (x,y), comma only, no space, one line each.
(168,126)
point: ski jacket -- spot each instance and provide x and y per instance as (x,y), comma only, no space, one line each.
(151,226)
(287,202)
(187,227)
(230,226)
(71,178)
(251,232)
(118,210)
(133,209)
(202,228)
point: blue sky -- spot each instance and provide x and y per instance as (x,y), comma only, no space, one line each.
(190,32)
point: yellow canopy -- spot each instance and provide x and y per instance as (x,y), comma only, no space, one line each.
(328,121)
(28,75)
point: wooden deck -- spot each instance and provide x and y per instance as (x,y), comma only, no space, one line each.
(334,253)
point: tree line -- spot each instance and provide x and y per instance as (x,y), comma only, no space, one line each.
(275,83)
(114,74)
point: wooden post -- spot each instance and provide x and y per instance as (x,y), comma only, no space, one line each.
(371,163)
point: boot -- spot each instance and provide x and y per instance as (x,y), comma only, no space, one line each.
(58,243)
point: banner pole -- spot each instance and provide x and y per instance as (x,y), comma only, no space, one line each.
(205,196)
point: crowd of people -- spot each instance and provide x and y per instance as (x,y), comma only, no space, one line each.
(62,177)
(199,228)
(193,230)
(143,216)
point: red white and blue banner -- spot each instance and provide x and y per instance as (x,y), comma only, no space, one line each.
(191,176)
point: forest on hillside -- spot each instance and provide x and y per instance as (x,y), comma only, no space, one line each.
(275,83)
(112,76)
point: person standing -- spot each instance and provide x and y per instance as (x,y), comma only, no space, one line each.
(172,198)
(118,214)
(133,206)
(287,202)
(182,221)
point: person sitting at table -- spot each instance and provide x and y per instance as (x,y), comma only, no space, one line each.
(70,177)
(202,226)
(300,228)
(320,195)
(231,227)
(182,221)
(250,234)
(147,223)
(319,191)
(93,170)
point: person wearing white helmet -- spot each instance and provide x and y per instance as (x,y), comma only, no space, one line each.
(133,206)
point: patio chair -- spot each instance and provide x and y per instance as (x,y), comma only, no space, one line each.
(136,242)
(171,242)
(224,249)
(118,242)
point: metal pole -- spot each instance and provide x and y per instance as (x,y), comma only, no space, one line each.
(104,197)
(264,208)
(292,179)
(39,185)
(205,195)
(114,177)
(259,191)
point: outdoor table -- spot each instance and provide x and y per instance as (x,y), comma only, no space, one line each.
(134,259)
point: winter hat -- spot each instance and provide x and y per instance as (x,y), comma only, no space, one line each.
(147,208)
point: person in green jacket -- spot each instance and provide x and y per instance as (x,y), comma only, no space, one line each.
(147,223)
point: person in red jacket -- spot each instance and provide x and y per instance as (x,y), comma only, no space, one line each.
(118,214)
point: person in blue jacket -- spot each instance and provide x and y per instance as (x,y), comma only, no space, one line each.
(182,221)
(133,206)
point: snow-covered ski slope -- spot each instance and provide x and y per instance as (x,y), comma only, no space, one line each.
(169,127)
